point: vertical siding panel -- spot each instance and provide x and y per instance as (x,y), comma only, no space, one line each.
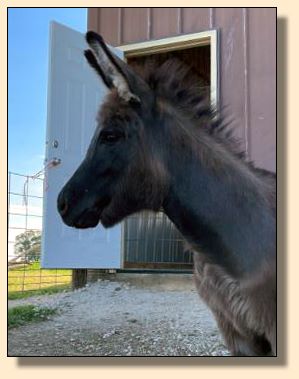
(109,25)
(211,17)
(135,25)
(149,23)
(179,21)
(164,22)
(120,26)
(93,19)
(246,95)
(195,19)
(262,86)
(232,65)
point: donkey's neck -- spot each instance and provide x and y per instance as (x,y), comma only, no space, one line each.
(224,216)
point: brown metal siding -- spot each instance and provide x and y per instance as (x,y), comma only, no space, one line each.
(262,86)
(196,19)
(134,24)
(232,77)
(247,59)
(165,22)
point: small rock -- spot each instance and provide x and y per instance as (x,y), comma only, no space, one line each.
(132,320)
(109,334)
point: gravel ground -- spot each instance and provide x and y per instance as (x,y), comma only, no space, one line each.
(116,319)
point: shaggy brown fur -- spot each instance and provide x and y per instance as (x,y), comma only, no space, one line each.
(169,148)
(248,322)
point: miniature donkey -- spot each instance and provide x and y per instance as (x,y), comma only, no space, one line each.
(159,144)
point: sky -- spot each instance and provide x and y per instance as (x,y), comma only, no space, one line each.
(28,42)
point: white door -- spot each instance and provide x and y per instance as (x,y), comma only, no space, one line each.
(74,95)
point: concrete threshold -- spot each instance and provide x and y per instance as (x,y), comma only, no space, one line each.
(161,281)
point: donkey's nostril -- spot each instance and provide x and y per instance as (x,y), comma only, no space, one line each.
(62,206)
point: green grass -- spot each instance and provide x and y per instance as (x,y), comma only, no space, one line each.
(31,277)
(25,314)
(15,295)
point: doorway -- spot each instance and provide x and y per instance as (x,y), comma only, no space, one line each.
(150,240)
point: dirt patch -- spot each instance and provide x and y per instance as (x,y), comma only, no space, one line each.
(115,319)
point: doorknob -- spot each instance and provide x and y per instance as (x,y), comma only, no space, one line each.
(55,161)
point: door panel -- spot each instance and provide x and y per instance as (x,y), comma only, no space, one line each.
(74,95)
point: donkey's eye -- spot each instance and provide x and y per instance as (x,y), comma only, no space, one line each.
(109,136)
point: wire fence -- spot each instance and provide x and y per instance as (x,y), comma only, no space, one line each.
(25,202)
(150,242)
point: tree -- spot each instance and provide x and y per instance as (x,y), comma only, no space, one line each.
(28,245)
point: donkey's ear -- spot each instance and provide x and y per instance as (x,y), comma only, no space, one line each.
(92,60)
(109,67)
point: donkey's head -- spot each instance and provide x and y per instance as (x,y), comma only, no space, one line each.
(122,172)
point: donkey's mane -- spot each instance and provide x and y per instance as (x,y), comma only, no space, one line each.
(175,82)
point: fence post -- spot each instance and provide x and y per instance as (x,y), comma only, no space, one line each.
(79,278)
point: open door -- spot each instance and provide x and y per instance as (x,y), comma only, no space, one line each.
(74,95)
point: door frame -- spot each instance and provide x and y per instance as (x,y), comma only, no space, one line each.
(183,41)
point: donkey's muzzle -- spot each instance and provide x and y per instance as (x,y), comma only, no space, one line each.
(62,204)
(76,211)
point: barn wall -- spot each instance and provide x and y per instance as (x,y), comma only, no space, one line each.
(247,60)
